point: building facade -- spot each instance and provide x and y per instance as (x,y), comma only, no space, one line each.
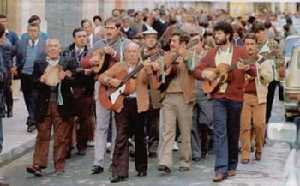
(59,17)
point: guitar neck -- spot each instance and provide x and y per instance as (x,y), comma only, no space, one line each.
(138,68)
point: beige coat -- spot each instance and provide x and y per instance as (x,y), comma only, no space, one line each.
(262,80)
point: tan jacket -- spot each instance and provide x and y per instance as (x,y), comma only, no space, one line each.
(262,80)
(185,78)
(138,85)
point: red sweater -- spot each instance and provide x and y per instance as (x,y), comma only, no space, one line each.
(235,87)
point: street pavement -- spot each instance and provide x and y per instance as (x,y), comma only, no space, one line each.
(268,171)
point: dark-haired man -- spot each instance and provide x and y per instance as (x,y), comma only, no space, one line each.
(270,49)
(113,46)
(227,97)
(28,50)
(83,88)
(178,104)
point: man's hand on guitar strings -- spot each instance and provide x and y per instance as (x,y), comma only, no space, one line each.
(114,83)
(242,66)
(209,74)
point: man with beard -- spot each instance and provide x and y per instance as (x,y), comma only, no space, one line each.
(255,98)
(152,53)
(113,46)
(177,106)
(227,98)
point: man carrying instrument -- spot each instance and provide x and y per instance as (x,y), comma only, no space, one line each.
(270,50)
(255,98)
(177,106)
(130,108)
(54,104)
(112,47)
(227,98)
(152,53)
(83,88)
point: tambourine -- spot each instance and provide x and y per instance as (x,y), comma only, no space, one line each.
(52,75)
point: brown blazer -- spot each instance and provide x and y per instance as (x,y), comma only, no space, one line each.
(186,79)
(138,85)
(236,78)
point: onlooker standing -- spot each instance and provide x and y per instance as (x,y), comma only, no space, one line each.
(27,51)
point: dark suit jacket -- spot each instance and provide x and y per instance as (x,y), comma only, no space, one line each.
(130,33)
(81,80)
(44,91)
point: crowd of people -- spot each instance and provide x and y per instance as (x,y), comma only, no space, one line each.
(143,81)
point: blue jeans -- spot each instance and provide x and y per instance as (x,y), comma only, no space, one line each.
(226,134)
(1,135)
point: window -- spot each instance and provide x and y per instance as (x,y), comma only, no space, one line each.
(3,7)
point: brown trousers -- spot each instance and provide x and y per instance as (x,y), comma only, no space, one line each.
(84,110)
(129,121)
(40,156)
(256,112)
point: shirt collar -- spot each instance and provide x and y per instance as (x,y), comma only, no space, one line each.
(52,62)
(35,42)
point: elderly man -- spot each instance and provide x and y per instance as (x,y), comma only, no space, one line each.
(54,104)
(129,115)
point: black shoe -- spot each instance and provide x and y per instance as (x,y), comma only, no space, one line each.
(141,174)
(35,170)
(204,155)
(97,169)
(164,168)
(196,159)
(81,152)
(116,179)
(152,155)
(183,169)
(10,114)
(31,128)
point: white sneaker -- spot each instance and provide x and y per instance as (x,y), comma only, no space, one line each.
(175,146)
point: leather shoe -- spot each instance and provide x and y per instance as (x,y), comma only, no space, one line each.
(183,169)
(231,173)
(97,169)
(196,159)
(245,161)
(31,128)
(152,155)
(116,179)
(219,177)
(141,174)
(81,152)
(164,168)
(35,170)
(258,156)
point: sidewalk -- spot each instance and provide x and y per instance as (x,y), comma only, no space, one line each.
(17,141)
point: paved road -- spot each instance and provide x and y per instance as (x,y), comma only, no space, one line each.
(269,171)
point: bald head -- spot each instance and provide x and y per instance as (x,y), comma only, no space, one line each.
(53,48)
(132,53)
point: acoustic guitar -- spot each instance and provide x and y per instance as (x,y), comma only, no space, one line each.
(112,98)
(222,71)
